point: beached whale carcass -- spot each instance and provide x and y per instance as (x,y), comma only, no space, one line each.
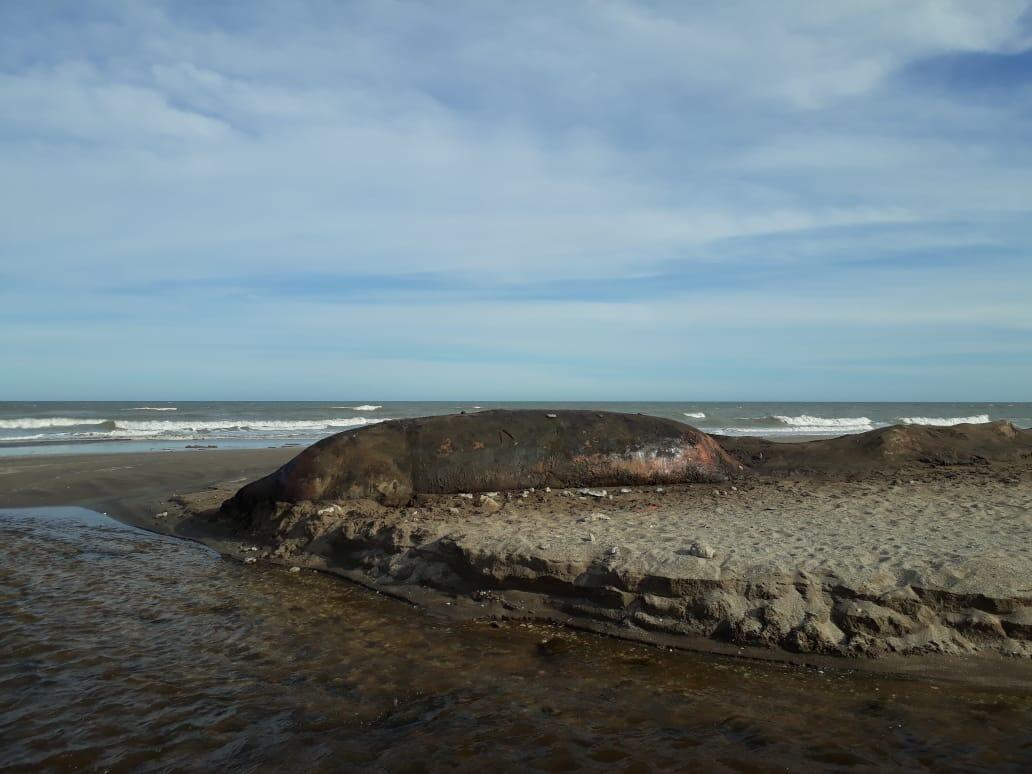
(493,450)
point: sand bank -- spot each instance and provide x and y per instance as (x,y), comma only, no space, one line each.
(911,566)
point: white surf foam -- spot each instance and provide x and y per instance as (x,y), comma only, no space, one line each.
(694,414)
(363,407)
(825,424)
(156,428)
(978,419)
(35,423)
(152,408)
(253,425)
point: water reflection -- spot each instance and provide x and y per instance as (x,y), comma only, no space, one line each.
(126,650)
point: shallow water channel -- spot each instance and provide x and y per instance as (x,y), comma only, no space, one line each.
(120,649)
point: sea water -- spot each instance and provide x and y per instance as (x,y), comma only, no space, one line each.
(49,427)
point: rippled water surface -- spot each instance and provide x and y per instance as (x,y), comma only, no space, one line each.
(125,650)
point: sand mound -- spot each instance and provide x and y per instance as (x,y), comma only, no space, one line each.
(887,448)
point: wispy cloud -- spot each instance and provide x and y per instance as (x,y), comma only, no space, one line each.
(648,189)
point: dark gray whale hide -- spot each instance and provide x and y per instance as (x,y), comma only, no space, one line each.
(493,450)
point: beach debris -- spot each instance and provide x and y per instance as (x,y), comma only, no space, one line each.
(594,492)
(553,646)
(250,560)
(543,546)
(548,490)
(701,550)
(594,517)
(550,416)
(625,490)
(591,537)
(453,510)
(613,551)
(489,504)
(162,515)
(247,549)
(525,493)
(466,495)
(295,568)
(329,510)
(660,489)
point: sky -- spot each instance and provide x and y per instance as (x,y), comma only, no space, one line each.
(516,201)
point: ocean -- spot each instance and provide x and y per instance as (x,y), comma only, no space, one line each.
(56,427)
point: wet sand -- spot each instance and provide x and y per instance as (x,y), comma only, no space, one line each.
(126,485)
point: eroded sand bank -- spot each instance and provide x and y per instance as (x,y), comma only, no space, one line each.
(931,564)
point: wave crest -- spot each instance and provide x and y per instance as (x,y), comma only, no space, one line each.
(37,423)
(978,419)
(694,414)
(67,427)
(824,423)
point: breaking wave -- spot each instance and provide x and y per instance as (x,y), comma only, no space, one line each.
(152,408)
(34,423)
(363,407)
(825,424)
(84,429)
(694,414)
(945,421)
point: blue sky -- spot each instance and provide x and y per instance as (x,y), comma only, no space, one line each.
(487,200)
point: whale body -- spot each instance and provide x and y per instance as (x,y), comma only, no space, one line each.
(493,450)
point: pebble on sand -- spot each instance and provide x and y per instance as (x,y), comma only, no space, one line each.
(701,550)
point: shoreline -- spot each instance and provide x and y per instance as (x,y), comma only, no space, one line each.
(444,553)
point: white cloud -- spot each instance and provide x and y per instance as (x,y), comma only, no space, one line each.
(566,142)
